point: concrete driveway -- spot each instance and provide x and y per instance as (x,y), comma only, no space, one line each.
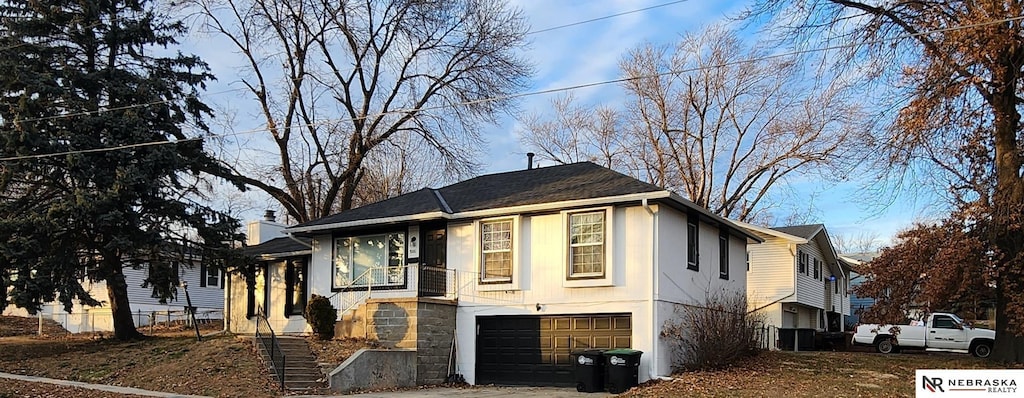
(484,392)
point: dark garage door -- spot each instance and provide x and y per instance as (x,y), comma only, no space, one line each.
(534,350)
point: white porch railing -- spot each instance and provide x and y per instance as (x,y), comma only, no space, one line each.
(396,282)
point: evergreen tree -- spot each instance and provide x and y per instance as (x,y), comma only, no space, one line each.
(78,78)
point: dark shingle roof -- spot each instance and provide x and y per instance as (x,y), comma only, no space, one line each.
(803,231)
(542,185)
(278,246)
(516,188)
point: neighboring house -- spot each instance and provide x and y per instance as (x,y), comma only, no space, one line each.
(205,289)
(857,304)
(518,270)
(280,287)
(796,279)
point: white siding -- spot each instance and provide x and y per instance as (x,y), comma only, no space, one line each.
(772,269)
(810,291)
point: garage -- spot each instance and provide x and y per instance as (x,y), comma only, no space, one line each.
(534,350)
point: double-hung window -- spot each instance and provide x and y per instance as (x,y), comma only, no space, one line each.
(817,269)
(802,262)
(587,234)
(496,251)
(374,260)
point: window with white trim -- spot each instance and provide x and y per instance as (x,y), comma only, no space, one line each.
(212,277)
(375,260)
(587,244)
(496,251)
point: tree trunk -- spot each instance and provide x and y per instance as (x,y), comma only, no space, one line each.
(120,309)
(1007,348)
(1007,212)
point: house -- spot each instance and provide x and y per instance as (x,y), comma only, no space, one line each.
(797,280)
(205,290)
(280,283)
(857,304)
(500,277)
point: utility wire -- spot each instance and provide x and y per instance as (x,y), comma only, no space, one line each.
(605,17)
(549,91)
(126,107)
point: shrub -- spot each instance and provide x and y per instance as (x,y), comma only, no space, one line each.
(713,334)
(321,315)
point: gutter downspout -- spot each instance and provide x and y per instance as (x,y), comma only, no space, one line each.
(655,271)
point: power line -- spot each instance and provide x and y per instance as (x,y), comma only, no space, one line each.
(127,107)
(605,17)
(95,150)
(549,91)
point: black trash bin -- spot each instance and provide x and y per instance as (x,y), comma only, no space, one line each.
(623,368)
(588,367)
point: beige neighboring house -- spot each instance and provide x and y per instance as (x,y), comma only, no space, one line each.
(797,280)
(516,269)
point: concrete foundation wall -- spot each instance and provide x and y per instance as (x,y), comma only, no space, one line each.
(374,369)
(421,324)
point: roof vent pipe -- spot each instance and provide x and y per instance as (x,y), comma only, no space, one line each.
(269,216)
(529,160)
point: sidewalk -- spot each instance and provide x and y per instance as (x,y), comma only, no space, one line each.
(98,387)
(481,392)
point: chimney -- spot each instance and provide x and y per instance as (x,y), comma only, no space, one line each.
(529,160)
(269,216)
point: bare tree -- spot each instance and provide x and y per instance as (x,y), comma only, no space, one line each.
(720,122)
(575,133)
(954,70)
(860,242)
(335,80)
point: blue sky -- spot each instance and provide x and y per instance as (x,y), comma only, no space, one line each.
(589,53)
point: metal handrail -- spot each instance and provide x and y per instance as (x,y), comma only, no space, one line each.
(263,333)
(366,282)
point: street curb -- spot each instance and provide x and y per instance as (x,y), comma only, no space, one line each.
(99,387)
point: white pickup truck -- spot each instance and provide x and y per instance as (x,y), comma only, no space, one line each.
(941,331)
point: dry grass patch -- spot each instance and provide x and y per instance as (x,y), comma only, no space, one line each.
(811,374)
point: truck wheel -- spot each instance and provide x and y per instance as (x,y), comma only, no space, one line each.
(981,349)
(885,346)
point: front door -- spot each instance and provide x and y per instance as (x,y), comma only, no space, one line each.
(433,277)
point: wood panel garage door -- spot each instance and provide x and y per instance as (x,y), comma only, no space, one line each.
(534,350)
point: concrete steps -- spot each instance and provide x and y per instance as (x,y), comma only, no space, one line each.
(301,370)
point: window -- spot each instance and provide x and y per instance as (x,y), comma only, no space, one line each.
(817,269)
(586,244)
(803,262)
(723,254)
(944,322)
(212,276)
(375,260)
(496,251)
(692,253)
(295,287)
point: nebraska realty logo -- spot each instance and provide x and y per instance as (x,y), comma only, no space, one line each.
(968,382)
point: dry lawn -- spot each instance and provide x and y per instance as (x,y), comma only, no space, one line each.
(170,360)
(812,374)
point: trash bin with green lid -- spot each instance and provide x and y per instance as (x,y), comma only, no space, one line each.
(623,369)
(588,368)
